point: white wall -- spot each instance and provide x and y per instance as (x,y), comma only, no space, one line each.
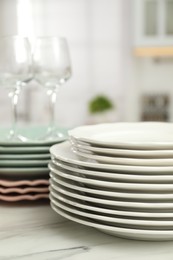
(95,31)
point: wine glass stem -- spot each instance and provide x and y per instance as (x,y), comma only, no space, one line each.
(53,96)
(14,100)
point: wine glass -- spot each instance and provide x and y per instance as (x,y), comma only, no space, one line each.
(15,71)
(52,68)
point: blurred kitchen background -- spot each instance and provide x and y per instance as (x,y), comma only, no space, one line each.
(120,49)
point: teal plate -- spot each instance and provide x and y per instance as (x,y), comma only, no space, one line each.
(33,134)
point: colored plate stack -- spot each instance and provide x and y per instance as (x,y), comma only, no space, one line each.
(117,178)
(24,173)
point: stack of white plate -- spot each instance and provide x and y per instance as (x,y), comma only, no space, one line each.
(117,178)
(24,169)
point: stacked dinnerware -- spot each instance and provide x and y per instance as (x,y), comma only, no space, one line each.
(117,178)
(24,173)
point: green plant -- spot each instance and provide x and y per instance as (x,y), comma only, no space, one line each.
(100,104)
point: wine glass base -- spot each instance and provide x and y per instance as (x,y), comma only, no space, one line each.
(53,134)
(14,137)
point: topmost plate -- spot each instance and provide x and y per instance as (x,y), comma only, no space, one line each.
(147,135)
(33,134)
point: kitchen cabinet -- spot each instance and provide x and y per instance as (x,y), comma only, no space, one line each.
(153,26)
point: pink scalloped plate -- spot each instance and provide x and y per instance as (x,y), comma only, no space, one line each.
(7,183)
(24,197)
(24,190)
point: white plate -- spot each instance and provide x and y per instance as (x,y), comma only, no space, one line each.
(96,208)
(22,172)
(147,135)
(139,234)
(123,152)
(113,185)
(124,161)
(33,134)
(23,163)
(115,204)
(145,197)
(25,156)
(63,152)
(108,176)
(113,221)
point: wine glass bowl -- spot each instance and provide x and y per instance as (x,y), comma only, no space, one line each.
(51,61)
(15,71)
(52,68)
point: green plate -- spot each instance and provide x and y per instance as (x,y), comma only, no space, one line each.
(23,172)
(24,163)
(33,134)
(17,157)
(24,149)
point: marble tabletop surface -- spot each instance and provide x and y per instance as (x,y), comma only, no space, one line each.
(34,231)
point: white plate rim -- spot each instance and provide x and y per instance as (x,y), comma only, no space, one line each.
(119,220)
(124,232)
(85,134)
(63,153)
(114,185)
(115,203)
(117,176)
(114,211)
(118,194)
(125,161)
(130,153)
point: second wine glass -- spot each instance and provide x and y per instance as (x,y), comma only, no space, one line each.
(52,68)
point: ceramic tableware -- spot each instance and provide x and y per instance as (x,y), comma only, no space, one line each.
(144,135)
(24,197)
(117,221)
(31,137)
(111,176)
(126,153)
(64,153)
(19,183)
(23,172)
(127,195)
(124,161)
(138,234)
(94,207)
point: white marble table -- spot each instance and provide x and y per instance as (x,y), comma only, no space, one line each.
(34,231)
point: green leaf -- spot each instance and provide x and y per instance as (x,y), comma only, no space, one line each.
(100,104)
